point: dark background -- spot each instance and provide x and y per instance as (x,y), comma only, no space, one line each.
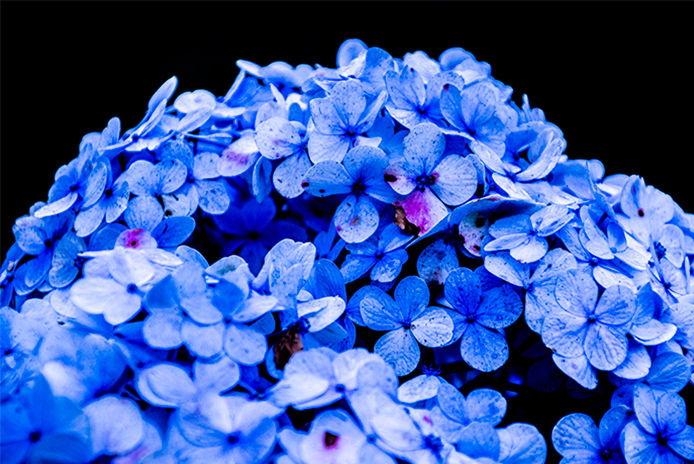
(613,76)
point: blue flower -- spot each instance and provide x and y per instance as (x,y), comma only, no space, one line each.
(480,316)
(586,325)
(525,235)
(428,179)
(228,429)
(409,321)
(660,433)
(479,113)
(116,425)
(646,209)
(360,177)
(539,289)
(579,440)
(37,426)
(414,96)
(319,377)
(110,205)
(340,120)
(116,290)
(39,237)
(384,256)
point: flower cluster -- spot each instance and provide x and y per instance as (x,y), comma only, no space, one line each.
(382,235)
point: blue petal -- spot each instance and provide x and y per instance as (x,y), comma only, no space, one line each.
(116,425)
(278,138)
(205,165)
(433,328)
(356,266)
(578,369)
(683,443)
(261,179)
(63,266)
(378,311)
(422,387)
(485,405)
(326,147)
(327,178)
(289,175)
(29,234)
(173,231)
(577,293)
(399,349)
(484,349)
(605,347)
(642,448)
(522,444)
(388,267)
(163,330)
(500,307)
(576,437)
(57,206)
(456,180)
(423,147)
(411,297)
(217,376)
(244,345)
(165,385)
(89,219)
(669,372)
(436,262)
(143,212)
(169,174)
(202,340)
(616,306)
(356,219)
(452,403)
(637,363)
(550,219)
(564,333)
(213,196)
(238,157)
(463,290)
(505,267)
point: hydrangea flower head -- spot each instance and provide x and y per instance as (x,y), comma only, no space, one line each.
(378,262)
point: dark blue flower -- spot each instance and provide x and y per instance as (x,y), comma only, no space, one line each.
(660,433)
(480,317)
(360,177)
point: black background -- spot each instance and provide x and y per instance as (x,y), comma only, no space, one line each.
(613,76)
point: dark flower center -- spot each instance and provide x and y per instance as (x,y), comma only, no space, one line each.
(426,180)
(358,187)
(131,288)
(606,454)
(35,436)
(434,443)
(330,439)
(659,250)
(592,318)
(233,438)
(662,440)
